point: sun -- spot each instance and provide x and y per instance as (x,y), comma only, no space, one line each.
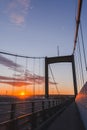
(22,93)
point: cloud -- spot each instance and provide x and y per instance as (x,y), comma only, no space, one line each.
(52,83)
(9,63)
(16,84)
(20,81)
(23,76)
(25,4)
(5,78)
(17,19)
(17,11)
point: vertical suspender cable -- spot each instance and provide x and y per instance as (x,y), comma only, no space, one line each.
(26,73)
(78,74)
(34,77)
(83,46)
(14,79)
(80,60)
(54,80)
(39,78)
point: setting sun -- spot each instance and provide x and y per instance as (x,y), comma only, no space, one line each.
(22,93)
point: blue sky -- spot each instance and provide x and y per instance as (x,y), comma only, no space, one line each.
(37,27)
(44,25)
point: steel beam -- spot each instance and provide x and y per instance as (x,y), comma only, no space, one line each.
(74,76)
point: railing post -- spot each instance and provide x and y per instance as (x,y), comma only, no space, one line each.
(56,102)
(43,111)
(49,104)
(33,118)
(42,105)
(33,107)
(13,125)
(53,104)
(13,106)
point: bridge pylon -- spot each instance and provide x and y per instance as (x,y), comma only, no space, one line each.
(51,60)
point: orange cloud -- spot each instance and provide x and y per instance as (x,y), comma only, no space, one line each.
(16,84)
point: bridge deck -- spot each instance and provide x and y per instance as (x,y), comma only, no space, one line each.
(68,120)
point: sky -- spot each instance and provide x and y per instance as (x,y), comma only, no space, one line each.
(37,27)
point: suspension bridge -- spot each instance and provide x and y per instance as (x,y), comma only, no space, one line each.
(32,99)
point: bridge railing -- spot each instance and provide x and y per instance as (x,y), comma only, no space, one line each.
(30,114)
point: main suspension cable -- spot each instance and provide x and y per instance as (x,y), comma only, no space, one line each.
(11,54)
(77,23)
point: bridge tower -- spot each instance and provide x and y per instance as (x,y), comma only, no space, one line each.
(59,59)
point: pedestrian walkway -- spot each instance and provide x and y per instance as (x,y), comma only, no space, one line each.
(68,120)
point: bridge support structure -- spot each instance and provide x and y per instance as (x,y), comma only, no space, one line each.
(59,59)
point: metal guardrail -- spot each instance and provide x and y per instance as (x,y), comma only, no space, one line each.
(32,113)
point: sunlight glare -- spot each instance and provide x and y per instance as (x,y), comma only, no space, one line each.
(22,93)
